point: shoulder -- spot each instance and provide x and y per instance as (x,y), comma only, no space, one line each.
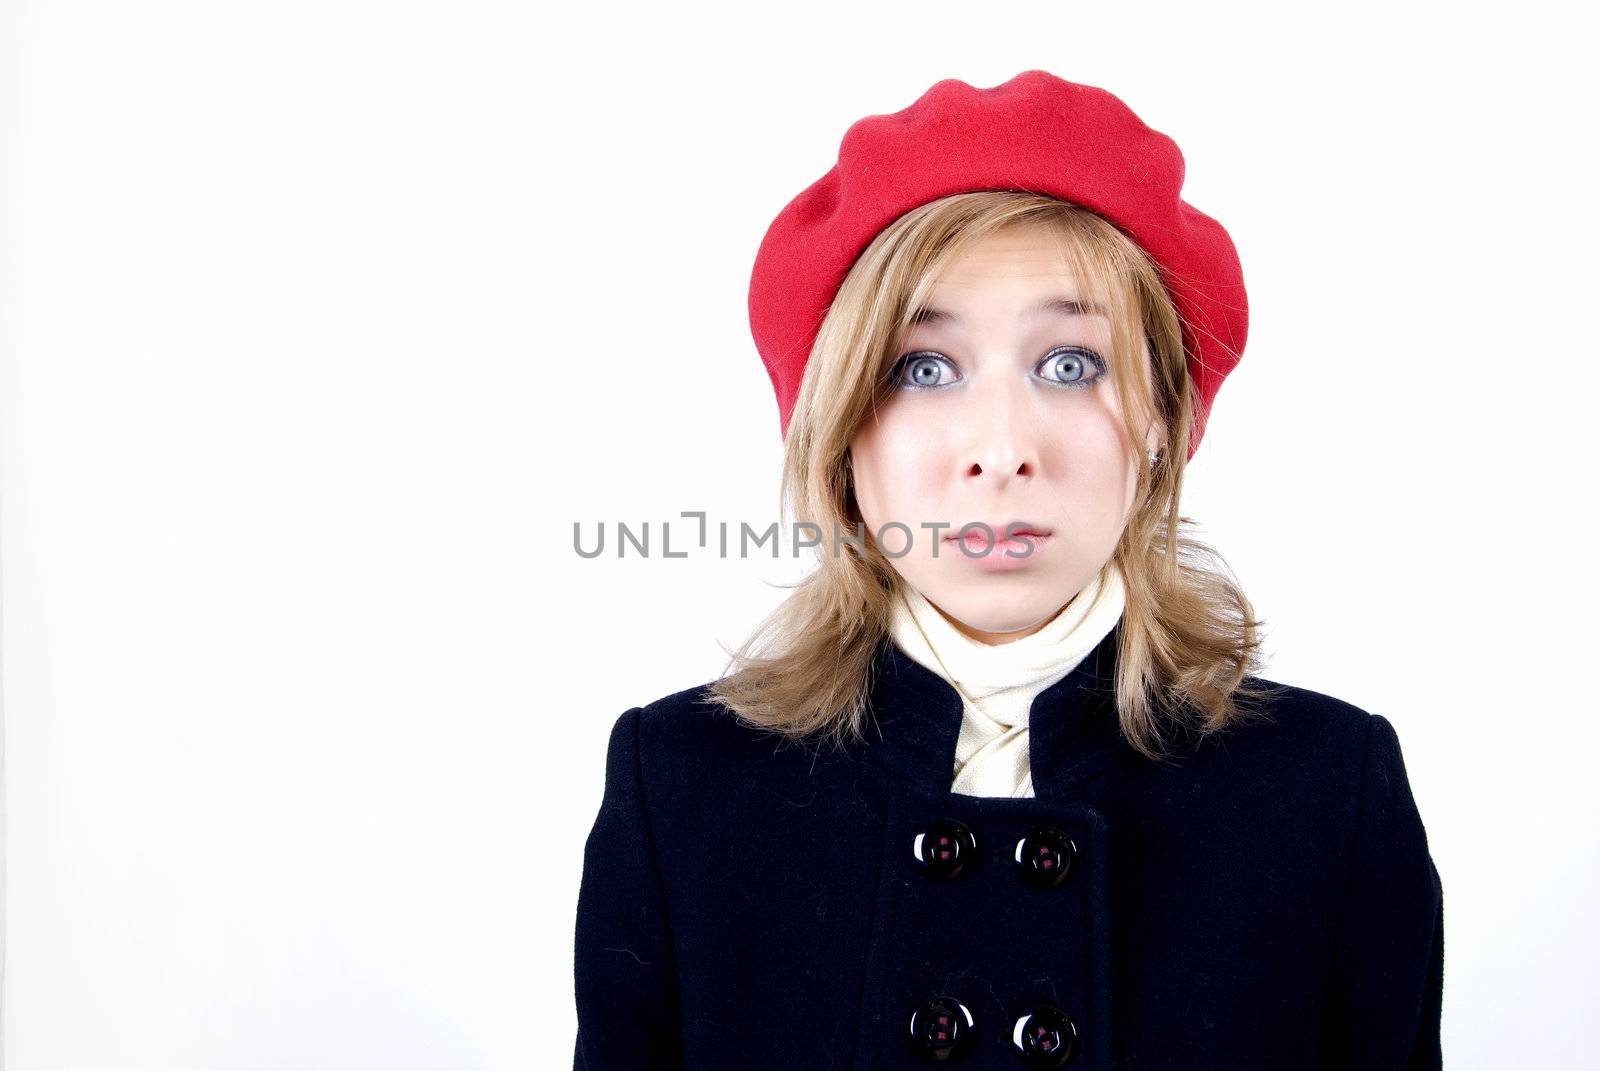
(1308,742)
(690,728)
(1295,717)
(1331,760)
(703,771)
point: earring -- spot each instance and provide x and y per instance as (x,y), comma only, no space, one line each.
(1155,455)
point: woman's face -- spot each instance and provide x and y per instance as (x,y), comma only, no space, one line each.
(1002,413)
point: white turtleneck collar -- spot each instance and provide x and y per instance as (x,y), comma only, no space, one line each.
(998,682)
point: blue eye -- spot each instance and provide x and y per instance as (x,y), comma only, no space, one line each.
(923,370)
(1072,364)
(1065,366)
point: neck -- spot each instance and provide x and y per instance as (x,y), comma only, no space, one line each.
(978,662)
(993,639)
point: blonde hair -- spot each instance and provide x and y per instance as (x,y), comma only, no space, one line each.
(1188,639)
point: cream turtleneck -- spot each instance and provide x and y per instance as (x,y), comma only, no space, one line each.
(998,682)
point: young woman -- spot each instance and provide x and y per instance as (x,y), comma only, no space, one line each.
(998,784)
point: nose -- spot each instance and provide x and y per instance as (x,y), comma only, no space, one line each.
(1002,447)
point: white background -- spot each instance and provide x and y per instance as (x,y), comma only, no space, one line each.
(324,322)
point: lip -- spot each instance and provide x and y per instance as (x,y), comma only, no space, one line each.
(1002,554)
(999,529)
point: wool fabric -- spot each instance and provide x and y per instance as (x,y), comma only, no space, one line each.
(1266,901)
(998,682)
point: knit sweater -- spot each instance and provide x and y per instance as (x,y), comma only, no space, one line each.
(998,682)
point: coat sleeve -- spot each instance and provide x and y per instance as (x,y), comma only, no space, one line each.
(624,972)
(1388,978)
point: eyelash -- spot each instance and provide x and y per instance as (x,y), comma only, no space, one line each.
(898,369)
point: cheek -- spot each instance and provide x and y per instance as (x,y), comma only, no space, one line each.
(896,472)
(1096,470)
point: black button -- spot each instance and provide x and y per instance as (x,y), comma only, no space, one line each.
(942,1029)
(1044,1037)
(945,849)
(1045,857)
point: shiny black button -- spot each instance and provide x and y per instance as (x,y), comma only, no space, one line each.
(945,849)
(1044,1037)
(1045,857)
(942,1029)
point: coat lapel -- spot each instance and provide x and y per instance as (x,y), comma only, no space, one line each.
(1073,733)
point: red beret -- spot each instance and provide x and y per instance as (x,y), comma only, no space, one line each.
(1035,132)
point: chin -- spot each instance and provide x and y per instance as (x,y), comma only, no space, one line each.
(1001,608)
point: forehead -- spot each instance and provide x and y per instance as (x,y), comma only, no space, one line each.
(1018,272)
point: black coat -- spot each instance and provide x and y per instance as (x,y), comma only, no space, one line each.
(1265,901)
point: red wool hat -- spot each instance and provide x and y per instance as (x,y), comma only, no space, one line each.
(1035,132)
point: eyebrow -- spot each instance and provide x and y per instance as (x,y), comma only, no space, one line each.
(1070,306)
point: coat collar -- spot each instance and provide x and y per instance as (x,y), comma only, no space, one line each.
(1073,731)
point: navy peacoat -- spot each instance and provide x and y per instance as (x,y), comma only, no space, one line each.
(1266,899)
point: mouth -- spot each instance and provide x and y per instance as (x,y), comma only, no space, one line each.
(1000,532)
(1000,550)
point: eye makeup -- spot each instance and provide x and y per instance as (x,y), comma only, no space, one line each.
(938,363)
